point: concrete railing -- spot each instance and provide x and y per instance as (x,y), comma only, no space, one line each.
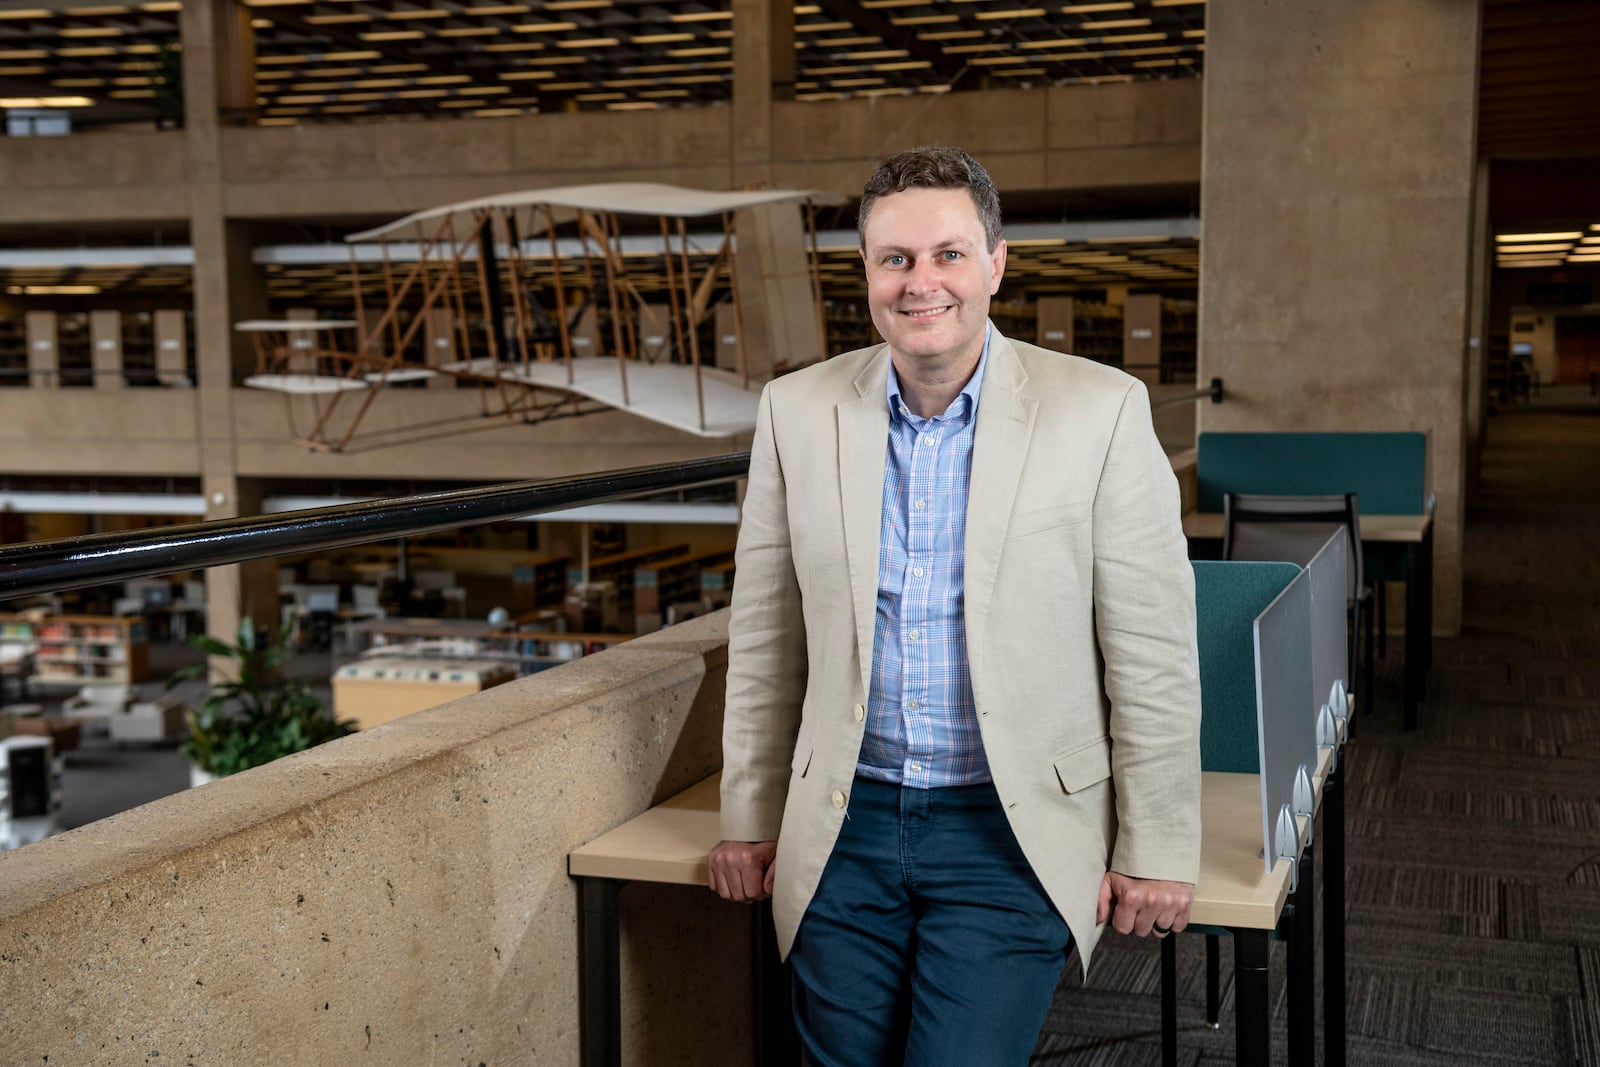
(396,897)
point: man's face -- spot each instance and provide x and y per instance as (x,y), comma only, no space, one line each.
(930,274)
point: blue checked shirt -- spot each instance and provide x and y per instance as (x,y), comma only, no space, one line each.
(922,725)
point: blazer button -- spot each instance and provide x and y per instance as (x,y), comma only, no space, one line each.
(838,799)
(861,713)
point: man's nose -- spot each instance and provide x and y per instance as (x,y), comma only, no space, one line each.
(922,277)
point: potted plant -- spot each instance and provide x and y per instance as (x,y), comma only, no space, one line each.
(257,715)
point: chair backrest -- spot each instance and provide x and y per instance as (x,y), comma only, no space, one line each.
(1291,528)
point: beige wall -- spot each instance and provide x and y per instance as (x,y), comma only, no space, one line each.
(1142,133)
(133,175)
(399,896)
(1337,194)
(129,431)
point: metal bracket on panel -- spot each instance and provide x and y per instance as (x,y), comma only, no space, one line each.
(1305,801)
(1339,701)
(1328,736)
(1286,842)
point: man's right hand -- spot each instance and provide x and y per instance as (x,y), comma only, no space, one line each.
(742,871)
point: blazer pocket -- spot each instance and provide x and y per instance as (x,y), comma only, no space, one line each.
(802,756)
(1084,766)
(1031,522)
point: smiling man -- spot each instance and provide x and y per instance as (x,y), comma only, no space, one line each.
(963,705)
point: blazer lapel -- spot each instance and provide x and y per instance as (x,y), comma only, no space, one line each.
(1006,412)
(863,450)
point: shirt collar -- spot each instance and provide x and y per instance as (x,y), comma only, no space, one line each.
(970,390)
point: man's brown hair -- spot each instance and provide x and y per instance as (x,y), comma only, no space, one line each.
(934,167)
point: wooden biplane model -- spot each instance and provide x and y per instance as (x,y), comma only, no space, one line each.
(549,306)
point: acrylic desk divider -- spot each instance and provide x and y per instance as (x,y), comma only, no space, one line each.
(1286,718)
(1328,572)
(1229,597)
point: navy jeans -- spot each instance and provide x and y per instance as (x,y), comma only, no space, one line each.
(929,941)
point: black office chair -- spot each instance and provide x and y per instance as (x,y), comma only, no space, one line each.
(1259,526)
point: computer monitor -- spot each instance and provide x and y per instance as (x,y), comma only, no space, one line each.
(322,600)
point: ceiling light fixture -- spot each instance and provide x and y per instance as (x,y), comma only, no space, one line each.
(1512,237)
(53,290)
(45,101)
(1523,249)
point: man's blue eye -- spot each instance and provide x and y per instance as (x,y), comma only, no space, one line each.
(951,254)
(895,261)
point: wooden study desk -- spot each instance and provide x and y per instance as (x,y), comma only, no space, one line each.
(1394,548)
(670,842)
(667,844)
(1236,892)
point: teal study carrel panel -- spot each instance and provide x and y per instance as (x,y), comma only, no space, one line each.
(1388,471)
(1227,598)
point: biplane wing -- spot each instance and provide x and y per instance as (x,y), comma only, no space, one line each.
(474,263)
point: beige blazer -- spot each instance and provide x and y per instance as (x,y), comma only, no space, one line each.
(1079,613)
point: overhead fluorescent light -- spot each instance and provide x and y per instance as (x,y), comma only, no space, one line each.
(45,101)
(1558,247)
(53,290)
(1515,237)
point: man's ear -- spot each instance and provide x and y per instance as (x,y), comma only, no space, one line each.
(997,259)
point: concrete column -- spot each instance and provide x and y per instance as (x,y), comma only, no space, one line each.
(1337,194)
(775,292)
(172,346)
(44,349)
(228,287)
(1477,353)
(105,343)
(763,72)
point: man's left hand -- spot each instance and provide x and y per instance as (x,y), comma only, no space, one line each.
(1142,905)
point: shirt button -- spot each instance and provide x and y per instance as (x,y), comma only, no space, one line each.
(920,504)
(927,439)
(916,768)
(913,705)
(916,572)
(914,634)
(861,713)
(838,799)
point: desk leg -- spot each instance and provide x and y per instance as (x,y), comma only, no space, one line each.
(779,1044)
(1169,1001)
(1252,997)
(1333,989)
(1213,982)
(1419,624)
(1302,964)
(601,979)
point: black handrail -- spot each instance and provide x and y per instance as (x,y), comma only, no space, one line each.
(78,562)
(1213,393)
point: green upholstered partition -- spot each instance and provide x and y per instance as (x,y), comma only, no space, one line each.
(1388,470)
(1228,597)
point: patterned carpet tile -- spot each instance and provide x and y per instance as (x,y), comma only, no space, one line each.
(1568,913)
(1440,961)
(1530,852)
(1497,1027)
(1471,807)
(1585,1015)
